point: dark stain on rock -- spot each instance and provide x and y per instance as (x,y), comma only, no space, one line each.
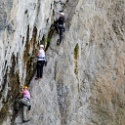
(12,92)
(29,59)
(49,37)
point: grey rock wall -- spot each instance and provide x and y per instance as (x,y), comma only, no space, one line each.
(83,83)
(100,60)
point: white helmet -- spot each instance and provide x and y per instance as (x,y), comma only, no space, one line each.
(62,13)
(41,46)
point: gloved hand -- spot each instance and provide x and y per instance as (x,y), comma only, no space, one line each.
(29,108)
(45,62)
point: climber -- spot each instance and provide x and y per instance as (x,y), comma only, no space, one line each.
(40,62)
(25,102)
(59,26)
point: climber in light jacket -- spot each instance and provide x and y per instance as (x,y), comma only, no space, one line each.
(41,61)
(25,102)
(59,25)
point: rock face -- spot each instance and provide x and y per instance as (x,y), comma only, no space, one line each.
(83,83)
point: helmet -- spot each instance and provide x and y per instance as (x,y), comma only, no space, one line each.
(42,46)
(62,13)
(25,87)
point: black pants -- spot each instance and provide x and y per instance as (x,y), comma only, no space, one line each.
(40,65)
(60,33)
(60,30)
(56,27)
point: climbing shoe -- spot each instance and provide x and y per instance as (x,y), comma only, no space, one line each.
(25,121)
(36,78)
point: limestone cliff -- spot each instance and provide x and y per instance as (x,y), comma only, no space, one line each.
(83,83)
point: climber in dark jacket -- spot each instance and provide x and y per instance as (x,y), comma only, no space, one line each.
(59,25)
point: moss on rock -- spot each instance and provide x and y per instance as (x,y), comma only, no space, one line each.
(76,55)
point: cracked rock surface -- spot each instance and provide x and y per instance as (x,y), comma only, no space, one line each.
(83,83)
